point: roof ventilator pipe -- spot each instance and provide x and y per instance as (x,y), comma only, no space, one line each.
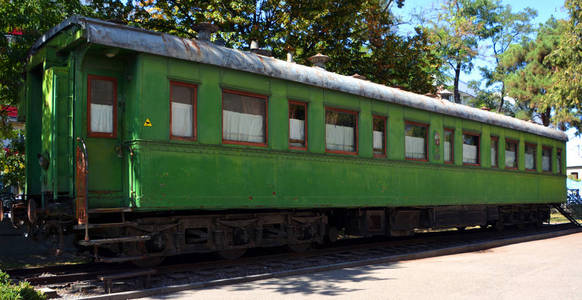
(358,76)
(319,60)
(204,30)
(255,49)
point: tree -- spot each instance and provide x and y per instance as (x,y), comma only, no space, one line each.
(566,92)
(358,36)
(456,33)
(530,75)
(503,28)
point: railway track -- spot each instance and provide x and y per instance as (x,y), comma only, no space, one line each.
(125,281)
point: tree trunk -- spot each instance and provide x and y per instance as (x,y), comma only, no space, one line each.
(500,108)
(546,116)
(456,88)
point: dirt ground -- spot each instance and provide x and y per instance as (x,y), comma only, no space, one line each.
(16,251)
(544,269)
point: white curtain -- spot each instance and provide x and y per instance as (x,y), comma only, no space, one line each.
(243,127)
(470,154)
(181,119)
(448,151)
(529,161)
(296,130)
(101,118)
(546,165)
(378,140)
(493,155)
(509,158)
(339,138)
(415,147)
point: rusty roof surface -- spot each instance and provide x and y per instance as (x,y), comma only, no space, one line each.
(140,40)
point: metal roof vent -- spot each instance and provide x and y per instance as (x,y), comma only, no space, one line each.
(255,49)
(204,30)
(319,60)
(358,76)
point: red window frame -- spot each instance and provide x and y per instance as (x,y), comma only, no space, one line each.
(355,113)
(242,93)
(478,135)
(194,112)
(304,148)
(385,142)
(452,131)
(549,148)
(516,142)
(101,134)
(427,126)
(496,139)
(535,156)
(559,152)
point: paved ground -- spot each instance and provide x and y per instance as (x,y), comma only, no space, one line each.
(546,269)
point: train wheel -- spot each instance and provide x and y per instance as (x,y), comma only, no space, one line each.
(149,262)
(299,248)
(231,254)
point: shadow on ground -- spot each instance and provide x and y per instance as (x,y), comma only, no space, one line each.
(330,283)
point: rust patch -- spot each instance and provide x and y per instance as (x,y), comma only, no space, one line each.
(250,197)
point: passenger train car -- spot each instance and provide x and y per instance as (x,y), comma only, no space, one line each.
(142,145)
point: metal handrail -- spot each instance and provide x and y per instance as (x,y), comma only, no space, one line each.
(86,167)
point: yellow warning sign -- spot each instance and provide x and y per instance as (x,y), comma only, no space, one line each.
(147,123)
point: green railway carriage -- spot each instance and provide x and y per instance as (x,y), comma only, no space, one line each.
(156,145)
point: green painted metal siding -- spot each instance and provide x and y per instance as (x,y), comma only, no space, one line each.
(209,175)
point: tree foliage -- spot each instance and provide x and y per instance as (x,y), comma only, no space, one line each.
(530,76)
(503,28)
(565,94)
(456,33)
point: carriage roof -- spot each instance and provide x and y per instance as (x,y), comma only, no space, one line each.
(139,40)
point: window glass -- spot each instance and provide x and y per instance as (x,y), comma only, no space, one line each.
(379,133)
(297,129)
(449,142)
(183,101)
(102,99)
(340,130)
(244,118)
(494,147)
(559,157)
(470,149)
(510,154)
(546,159)
(415,141)
(530,156)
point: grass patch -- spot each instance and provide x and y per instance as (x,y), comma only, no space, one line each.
(557,218)
(19,291)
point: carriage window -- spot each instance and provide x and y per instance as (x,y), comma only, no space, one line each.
(449,145)
(297,122)
(511,154)
(183,110)
(470,148)
(415,141)
(559,157)
(102,99)
(547,159)
(494,147)
(340,131)
(244,118)
(379,136)
(530,157)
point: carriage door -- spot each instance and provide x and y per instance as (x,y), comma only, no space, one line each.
(103,142)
